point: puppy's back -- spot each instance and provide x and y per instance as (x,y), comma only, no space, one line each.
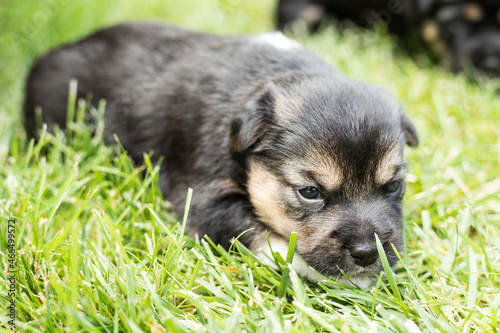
(105,64)
(140,69)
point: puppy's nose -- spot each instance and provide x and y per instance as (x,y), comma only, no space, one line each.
(364,254)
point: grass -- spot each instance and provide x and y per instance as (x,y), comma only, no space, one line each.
(98,251)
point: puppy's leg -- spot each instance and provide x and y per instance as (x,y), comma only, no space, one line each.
(223,213)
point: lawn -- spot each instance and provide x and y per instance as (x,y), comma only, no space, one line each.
(98,251)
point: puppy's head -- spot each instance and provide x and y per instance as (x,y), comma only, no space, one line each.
(464,31)
(325,159)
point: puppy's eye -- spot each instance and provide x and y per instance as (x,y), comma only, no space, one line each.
(309,193)
(393,187)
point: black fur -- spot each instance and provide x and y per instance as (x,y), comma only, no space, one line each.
(210,106)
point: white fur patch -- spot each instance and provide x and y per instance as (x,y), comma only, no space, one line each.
(298,263)
(362,281)
(278,40)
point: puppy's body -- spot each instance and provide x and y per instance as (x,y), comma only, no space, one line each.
(269,136)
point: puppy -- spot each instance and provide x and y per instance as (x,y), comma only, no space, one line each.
(268,135)
(463,32)
(458,31)
(365,13)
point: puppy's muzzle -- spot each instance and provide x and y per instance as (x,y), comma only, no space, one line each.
(357,236)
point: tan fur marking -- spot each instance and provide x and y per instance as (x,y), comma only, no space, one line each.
(287,108)
(264,190)
(473,12)
(387,167)
(292,173)
(326,172)
(430,31)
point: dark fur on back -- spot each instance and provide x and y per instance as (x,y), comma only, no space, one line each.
(227,113)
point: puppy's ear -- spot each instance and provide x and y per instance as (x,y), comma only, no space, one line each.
(248,126)
(410,131)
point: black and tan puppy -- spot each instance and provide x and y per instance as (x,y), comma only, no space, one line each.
(365,13)
(269,136)
(463,31)
(458,31)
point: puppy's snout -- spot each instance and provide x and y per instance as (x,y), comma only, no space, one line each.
(357,237)
(364,254)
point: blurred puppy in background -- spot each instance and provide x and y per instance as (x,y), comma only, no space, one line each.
(460,32)
(463,32)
